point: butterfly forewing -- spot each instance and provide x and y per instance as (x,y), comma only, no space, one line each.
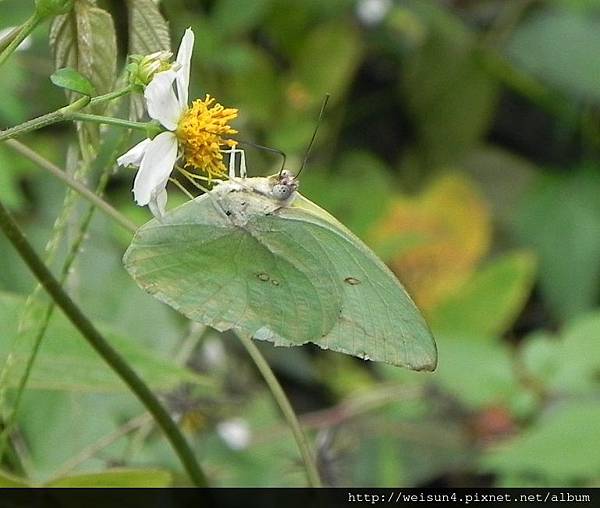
(226,276)
(378,319)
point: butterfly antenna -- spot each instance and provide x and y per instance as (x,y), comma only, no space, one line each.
(314,136)
(268,149)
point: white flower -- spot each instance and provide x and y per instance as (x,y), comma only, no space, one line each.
(214,352)
(235,432)
(372,12)
(156,157)
(196,133)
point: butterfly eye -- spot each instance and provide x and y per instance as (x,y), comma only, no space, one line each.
(282,191)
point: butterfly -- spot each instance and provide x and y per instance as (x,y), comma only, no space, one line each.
(253,255)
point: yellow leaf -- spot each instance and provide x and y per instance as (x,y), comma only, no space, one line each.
(434,241)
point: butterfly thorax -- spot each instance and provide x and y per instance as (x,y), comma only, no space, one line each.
(244,198)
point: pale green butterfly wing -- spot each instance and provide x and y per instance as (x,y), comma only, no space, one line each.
(378,319)
(290,274)
(214,272)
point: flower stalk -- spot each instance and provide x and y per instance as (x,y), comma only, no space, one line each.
(151,129)
(312,472)
(71,111)
(13,232)
(77,186)
(25,30)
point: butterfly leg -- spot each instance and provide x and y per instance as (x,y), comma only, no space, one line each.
(242,164)
(231,153)
(232,161)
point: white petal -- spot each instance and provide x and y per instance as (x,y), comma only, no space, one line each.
(184,57)
(161,101)
(155,168)
(134,156)
(158,202)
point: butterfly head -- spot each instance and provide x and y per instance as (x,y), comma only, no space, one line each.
(284,185)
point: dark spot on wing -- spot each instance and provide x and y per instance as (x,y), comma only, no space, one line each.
(263,276)
(353,281)
(228,213)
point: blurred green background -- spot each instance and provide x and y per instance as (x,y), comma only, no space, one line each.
(461,143)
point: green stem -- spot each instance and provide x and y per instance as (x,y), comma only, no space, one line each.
(25,30)
(44,120)
(8,38)
(280,397)
(13,232)
(70,112)
(74,184)
(196,334)
(110,96)
(50,307)
(506,20)
(148,127)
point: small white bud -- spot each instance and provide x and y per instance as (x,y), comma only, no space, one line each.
(235,432)
(372,12)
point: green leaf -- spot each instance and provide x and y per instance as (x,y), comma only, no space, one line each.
(358,214)
(234,17)
(8,480)
(475,370)
(11,192)
(450,96)
(117,478)
(318,71)
(314,73)
(560,220)
(12,84)
(504,178)
(588,6)
(85,40)
(148,30)
(76,420)
(66,362)
(560,47)
(490,301)
(72,80)
(569,363)
(255,85)
(50,8)
(562,446)
(148,33)
(579,355)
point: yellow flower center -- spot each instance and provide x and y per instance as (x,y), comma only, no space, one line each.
(201,132)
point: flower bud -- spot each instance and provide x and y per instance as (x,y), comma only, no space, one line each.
(142,68)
